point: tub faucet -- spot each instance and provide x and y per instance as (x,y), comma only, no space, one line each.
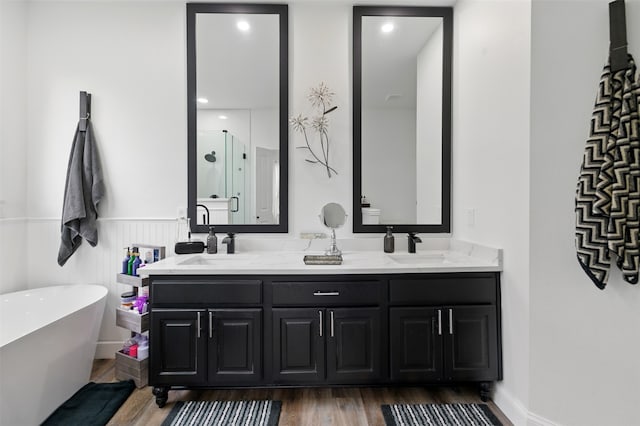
(230,241)
(413,239)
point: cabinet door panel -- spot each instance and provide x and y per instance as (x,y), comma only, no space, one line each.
(235,345)
(298,346)
(353,345)
(416,345)
(178,349)
(471,343)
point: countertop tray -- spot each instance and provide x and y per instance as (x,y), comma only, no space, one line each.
(322,259)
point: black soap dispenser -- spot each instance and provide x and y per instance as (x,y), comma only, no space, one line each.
(212,242)
(389,241)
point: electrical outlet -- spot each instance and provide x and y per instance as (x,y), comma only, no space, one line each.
(312,235)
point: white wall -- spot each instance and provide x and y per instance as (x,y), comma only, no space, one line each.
(389,163)
(584,341)
(131,57)
(320,51)
(491,165)
(13,145)
(429,130)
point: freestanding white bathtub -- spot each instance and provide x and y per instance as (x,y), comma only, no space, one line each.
(47,343)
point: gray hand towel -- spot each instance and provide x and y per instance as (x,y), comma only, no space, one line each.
(608,193)
(83,191)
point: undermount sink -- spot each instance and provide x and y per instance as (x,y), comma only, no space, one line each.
(416,259)
(215,259)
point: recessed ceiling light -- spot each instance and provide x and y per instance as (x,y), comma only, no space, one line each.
(203,100)
(243,26)
(222,117)
(387,28)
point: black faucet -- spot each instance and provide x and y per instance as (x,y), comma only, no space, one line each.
(206,209)
(230,241)
(413,239)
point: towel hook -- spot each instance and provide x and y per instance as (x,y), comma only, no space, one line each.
(85,110)
(618,57)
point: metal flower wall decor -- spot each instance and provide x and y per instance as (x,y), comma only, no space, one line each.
(320,98)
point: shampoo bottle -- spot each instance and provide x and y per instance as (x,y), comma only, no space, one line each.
(132,258)
(212,242)
(389,241)
(136,264)
(125,262)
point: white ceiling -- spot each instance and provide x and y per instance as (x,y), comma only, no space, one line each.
(389,59)
(237,69)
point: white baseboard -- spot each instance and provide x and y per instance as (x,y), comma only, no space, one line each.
(107,350)
(536,420)
(515,410)
(512,407)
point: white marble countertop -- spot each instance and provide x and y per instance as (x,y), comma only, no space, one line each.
(285,256)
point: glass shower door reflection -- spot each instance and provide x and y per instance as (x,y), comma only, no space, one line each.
(236,179)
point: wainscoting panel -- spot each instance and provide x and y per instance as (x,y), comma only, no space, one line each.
(13,247)
(93,265)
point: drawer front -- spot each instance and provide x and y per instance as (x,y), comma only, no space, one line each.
(318,293)
(443,290)
(206,292)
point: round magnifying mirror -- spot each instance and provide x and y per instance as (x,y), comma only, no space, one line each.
(333,215)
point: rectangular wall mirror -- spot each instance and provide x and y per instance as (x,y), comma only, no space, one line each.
(237,67)
(402,118)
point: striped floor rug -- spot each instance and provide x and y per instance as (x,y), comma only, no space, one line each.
(439,415)
(239,413)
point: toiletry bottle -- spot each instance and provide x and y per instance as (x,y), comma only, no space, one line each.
(212,242)
(389,241)
(131,260)
(125,262)
(136,264)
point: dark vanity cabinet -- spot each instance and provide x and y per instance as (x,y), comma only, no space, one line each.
(178,349)
(443,344)
(205,332)
(445,328)
(391,329)
(235,346)
(327,331)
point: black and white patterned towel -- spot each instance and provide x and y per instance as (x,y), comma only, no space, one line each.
(608,192)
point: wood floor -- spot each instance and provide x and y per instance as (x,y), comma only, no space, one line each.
(300,407)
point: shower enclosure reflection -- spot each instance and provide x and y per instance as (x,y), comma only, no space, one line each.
(222,180)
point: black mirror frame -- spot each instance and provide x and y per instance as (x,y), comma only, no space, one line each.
(277,9)
(447,14)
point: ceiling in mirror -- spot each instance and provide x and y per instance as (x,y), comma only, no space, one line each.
(402,118)
(237,77)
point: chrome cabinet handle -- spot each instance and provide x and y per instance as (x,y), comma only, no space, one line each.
(450,321)
(331,315)
(210,325)
(198,324)
(326,293)
(439,322)
(320,315)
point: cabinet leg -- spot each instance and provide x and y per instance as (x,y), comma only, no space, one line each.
(161,394)
(485,391)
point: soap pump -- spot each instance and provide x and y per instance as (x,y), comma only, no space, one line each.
(389,241)
(212,242)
